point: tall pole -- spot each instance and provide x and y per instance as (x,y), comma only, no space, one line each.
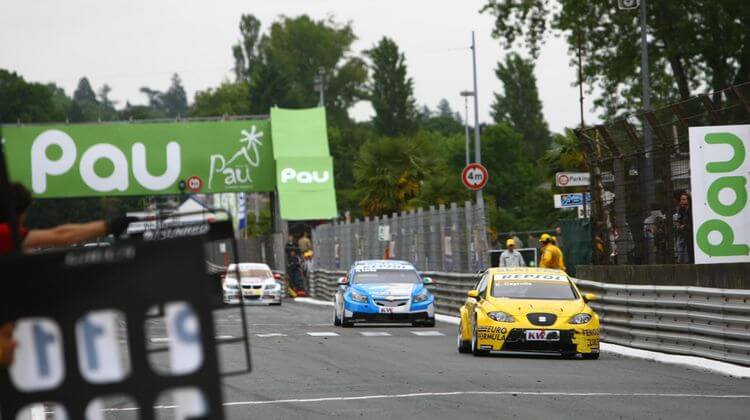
(580,77)
(477,147)
(466,126)
(648,169)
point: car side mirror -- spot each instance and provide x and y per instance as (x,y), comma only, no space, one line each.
(590,297)
(427,280)
(473,294)
(343,281)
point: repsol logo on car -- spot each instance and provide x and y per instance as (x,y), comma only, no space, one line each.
(304,177)
(43,166)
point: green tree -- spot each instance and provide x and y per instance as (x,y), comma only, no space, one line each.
(389,172)
(391,91)
(565,154)
(445,121)
(84,92)
(289,58)
(511,173)
(227,99)
(694,44)
(245,51)
(20,100)
(519,104)
(175,98)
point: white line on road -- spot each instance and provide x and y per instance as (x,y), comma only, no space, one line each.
(375,334)
(455,393)
(323,334)
(428,333)
(314,301)
(271,335)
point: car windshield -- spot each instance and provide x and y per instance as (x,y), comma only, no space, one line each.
(263,274)
(559,289)
(386,276)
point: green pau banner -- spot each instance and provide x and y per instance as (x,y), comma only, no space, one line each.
(141,159)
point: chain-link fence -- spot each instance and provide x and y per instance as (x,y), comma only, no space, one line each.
(640,177)
(268,249)
(449,238)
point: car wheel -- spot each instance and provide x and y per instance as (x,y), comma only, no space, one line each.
(336,319)
(475,343)
(568,355)
(428,323)
(464,346)
(590,356)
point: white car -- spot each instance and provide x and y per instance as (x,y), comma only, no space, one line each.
(257,284)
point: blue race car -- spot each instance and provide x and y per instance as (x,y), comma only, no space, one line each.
(383,291)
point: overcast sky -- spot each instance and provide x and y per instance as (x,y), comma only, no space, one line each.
(134,43)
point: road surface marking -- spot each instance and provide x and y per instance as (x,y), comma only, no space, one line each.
(428,333)
(375,334)
(224,337)
(160,340)
(271,335)
(323,334)
(456,393)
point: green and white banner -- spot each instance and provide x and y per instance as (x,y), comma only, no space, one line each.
(141,158)
(720,171)
(304,169)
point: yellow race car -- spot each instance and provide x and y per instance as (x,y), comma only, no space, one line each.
(528,309)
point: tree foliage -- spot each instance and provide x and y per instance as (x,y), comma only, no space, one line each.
(389,172)
(245,52)
(227,99)
(694,45)
(289,58)
(519,104)
(391,91)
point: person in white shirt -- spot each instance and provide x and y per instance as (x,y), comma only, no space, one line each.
(510,257)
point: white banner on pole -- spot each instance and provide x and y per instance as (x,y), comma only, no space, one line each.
(720,171)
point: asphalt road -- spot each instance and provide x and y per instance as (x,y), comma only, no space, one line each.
(305,368)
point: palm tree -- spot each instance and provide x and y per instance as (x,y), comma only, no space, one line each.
(389,171)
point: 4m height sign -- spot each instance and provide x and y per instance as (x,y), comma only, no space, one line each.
(720,171)
(141,159)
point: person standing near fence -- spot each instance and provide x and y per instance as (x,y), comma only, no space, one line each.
(510,257)
(683,223)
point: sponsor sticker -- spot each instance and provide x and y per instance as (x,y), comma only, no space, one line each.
(531,276)
(542,335)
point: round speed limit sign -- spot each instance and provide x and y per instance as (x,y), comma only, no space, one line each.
(474,176)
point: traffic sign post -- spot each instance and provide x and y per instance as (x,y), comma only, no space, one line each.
(474,176)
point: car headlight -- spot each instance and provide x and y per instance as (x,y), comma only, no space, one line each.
(231,286)
(358,297)
(420,297)
(580,319)
(270,286)
(500,316)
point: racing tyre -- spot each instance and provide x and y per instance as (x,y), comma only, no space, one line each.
(428,323)
(474,343)
(590,356)
(464,346)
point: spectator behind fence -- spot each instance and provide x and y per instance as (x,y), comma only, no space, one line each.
(510,257)
(63,235)
(652,225)
(683,223)
(304,243)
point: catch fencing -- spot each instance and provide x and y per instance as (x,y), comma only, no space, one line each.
(452,239)
(697,321)
(268,249)
(640,165)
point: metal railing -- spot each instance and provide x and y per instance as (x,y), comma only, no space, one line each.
(697,321)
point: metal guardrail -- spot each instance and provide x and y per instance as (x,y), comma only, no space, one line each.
(697,321)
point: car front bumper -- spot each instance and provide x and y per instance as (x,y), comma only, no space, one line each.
(499,337)
(370,312)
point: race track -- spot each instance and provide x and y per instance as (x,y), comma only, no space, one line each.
(304,368)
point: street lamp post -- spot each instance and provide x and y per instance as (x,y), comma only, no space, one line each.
(320,85)
(466,94)
(477,147)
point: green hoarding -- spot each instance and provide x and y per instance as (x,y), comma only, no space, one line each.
(304,169)
(141,158)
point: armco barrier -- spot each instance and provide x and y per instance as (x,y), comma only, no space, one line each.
(698,321)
